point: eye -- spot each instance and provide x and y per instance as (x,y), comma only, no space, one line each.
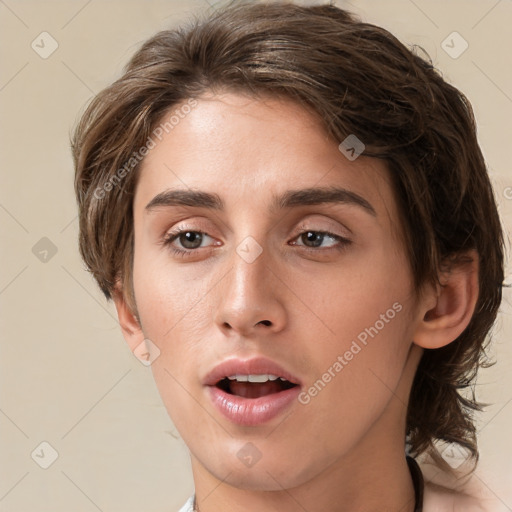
(313,239)
(187,238)
(190,240)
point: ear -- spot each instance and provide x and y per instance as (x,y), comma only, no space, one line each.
(130,325)
(445,311)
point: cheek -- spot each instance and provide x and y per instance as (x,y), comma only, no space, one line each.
(166,299)
(355,380)
(172,316)
(367,335)
(366,293)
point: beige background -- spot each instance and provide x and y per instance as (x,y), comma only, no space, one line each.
(67,376)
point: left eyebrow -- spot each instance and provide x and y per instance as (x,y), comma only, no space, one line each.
(289,199)
(316,196)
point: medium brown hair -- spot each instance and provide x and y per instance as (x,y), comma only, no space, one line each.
(359,79)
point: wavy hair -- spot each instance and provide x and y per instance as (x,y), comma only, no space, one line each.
(358,79)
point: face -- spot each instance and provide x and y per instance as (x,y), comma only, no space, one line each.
(239,273)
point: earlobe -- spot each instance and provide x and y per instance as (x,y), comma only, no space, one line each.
(454,304)
(128,321)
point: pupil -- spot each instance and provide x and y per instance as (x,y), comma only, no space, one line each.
(185,239)
(316,238)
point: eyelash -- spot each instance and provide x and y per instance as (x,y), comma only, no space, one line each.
(184,253)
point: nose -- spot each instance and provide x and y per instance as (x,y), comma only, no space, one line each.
(251,298)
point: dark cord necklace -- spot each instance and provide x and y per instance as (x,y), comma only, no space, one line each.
(417,480)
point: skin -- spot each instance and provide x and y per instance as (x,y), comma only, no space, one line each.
(344,450)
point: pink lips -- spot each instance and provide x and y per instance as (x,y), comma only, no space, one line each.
(250,411)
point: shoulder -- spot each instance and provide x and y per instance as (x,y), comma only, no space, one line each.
(459,491)
(438,498)
(188,506)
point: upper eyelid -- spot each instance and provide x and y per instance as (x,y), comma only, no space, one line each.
(300,225)
(300,229)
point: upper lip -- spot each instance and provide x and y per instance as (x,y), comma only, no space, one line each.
(255,366)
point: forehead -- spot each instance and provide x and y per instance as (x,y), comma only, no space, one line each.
(250,151)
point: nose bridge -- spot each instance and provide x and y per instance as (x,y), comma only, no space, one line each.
(250,295)
(250,272)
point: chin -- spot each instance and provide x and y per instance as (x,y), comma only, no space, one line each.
(267,474)
(262,479)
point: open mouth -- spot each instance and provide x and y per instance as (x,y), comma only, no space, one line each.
(254,386)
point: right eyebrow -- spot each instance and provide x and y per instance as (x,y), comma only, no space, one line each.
(193,198)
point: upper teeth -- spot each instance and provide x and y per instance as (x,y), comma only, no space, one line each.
(255,378)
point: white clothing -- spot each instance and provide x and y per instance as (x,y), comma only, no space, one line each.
(189,505)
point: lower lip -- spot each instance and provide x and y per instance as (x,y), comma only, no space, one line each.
(252,411)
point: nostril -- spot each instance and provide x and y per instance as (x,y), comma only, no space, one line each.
(266,322)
